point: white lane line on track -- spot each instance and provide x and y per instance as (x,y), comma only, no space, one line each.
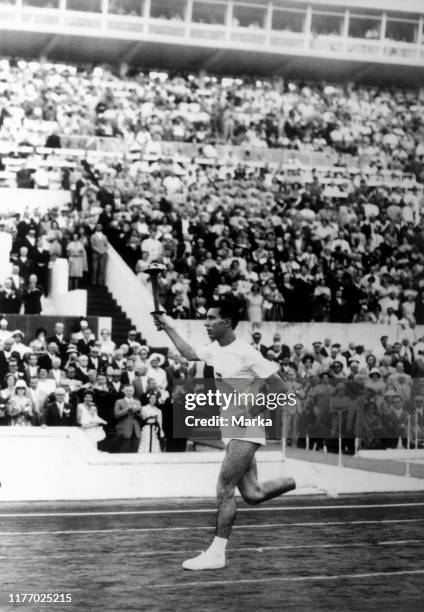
(244,549)
(207,510)
(210,528)
(214,583)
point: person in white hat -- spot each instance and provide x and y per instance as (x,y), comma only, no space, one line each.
(156,361)
(107,345)
(18,346)
(20,406)
(142,357)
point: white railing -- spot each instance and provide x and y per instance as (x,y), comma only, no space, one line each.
(195,33)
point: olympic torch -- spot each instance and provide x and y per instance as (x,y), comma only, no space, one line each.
(153,271)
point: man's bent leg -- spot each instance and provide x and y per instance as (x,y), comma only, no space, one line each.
(254,492)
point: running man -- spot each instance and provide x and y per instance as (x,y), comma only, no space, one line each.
(232,358)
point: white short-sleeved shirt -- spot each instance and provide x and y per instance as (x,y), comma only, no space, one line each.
(238,360)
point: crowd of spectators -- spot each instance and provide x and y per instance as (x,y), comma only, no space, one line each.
(121,396)
(296,244)
(39,101)
(24,266)
(118,395)
(286,244)
(30,244)
(369,396)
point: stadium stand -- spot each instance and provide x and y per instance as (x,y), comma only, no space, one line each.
(287,241)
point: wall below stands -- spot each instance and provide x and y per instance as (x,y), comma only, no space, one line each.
(59,463)
(367,334)
(16,200)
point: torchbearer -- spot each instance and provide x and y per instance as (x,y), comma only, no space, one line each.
(232,358)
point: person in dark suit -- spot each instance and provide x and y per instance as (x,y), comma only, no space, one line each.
(41,259)
(60,413)
(46,359)
(175,369)
(257,344)
(4,364)
(30,242)
(18,286)
(60,340)
(25,264)
(128,374)
(32,296)
(105,401)
(85,343)
(127,413)
(9,302)
(96,361)
(81,372)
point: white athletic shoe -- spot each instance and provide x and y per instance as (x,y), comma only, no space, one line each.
(323,484)
(312,478)
(205,561)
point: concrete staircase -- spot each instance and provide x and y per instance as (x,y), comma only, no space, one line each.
(101,303)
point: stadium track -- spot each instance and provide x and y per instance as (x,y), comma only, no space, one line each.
(310,553)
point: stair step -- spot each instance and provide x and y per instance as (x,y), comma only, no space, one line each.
(100,302)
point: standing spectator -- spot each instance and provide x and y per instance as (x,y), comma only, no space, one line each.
(32,297)
(60,340)
(20,406)
(99,246)
(257,344)
(77,261)
(91,425)
(59,412)
(24,263)
(107,345)
(255,305)
(18,286)
(41,259)
(152,432)
(127,413)
(9,303)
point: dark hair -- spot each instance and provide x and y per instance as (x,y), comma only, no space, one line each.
(228,309)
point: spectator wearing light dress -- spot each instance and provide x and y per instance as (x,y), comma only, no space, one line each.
(77,257)
(152,431)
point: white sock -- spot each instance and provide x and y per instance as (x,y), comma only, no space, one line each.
(218,545)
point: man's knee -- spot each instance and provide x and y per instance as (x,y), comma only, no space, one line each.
(252,495)
(225,488)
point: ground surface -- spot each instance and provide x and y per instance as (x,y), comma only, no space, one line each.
(355,553)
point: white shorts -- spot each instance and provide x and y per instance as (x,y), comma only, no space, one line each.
(260,441)
(254,433)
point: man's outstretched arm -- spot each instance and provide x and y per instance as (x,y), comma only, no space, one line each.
(166,324)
